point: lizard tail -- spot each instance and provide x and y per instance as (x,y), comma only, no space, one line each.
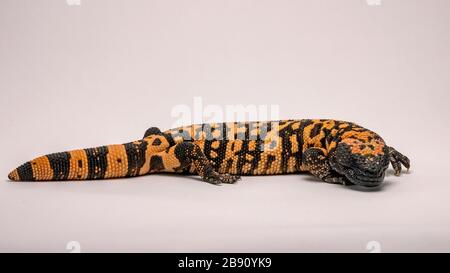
(111,161)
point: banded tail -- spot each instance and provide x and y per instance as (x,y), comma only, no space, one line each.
(111,161)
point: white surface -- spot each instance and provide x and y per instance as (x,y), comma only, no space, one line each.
(105,71)
(161,213)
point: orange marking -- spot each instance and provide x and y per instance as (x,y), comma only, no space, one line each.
(294,143)
(117,161)
(292,162)
(151,150)
(215,144)
(251,145)
(356,144)
(170,161)
(75,171)
(213,154)
(230,155)
(14,175)
(41,168)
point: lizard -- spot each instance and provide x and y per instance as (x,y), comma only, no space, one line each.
(333,151)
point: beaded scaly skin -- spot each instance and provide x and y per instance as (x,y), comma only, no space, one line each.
(333,151)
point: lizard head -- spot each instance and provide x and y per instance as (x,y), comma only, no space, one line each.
(361,161)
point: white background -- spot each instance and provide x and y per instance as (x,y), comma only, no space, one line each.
(103,72)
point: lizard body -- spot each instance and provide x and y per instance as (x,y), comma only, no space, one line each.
(331,150)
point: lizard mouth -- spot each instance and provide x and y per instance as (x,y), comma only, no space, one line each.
(361,177)
(364,180)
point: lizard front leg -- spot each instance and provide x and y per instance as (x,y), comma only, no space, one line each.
(397,160)
(316,162)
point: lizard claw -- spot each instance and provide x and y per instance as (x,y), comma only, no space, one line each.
(335,180)
(397,160)
(217,178)
(229,179)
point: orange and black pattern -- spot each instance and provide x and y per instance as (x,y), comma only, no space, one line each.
(333,151)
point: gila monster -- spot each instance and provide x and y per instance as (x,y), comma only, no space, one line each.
(334,151)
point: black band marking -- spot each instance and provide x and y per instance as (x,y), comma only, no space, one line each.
(25,172)
(60,164)
(97,162)
(136,156)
